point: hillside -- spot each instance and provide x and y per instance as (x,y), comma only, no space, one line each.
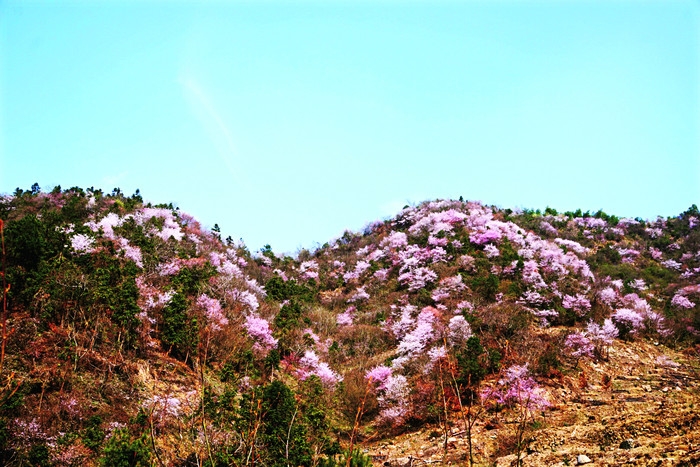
(131,336)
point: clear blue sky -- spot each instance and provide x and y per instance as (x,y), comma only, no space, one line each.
(288,122)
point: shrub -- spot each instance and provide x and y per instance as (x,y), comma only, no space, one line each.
(180,332)
(279,290)
(472,365)
(357,459)
(39,455)
(93,435)
(283,434)
(353,394)
(487,286)
(121,451)
(289,315)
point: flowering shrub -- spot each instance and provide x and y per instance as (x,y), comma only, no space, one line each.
(460,330)
(309,270)
(417,278)
(212,310)
(487,236)
(346,318)
(447,287)
(415,341)
(395,240)
(571,245)
(608,296)
(629,322)
(491,251)
(592,222)
(672,264)
(380,375)
(310,364)
(579,303)
(578,345)
(680,301)
(381,274)
(517,388)
(602,335)
(107,225)
(82,243)
(259,330)
(359,295)
(393,400)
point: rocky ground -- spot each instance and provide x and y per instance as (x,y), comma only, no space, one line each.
(638,408)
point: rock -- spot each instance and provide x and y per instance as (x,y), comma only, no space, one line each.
(583,459)
(628,444)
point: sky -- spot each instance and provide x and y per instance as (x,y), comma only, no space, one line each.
(287,123)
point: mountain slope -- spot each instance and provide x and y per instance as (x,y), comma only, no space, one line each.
(134,337)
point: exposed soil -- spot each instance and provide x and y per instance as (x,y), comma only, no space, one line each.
(638,408)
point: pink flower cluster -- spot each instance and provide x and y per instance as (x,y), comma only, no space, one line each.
(346,318)
(355,274)
(381,274)
(602,335)
(578,345)
(309,269)
(460,330)
(628,254)
(590,222)
(630,319)
(594,338)
(548,228)
(671,264)
(107,225)
(395,240)
(518,388)
(491,251)
(436,222)
(608,296)
(82,243)
(680,301)
(130,251)
(571,245)
(359,295)
(416,340)
(399,327)
(579,303)
(245,298)
(170,268)
(170,228)
(310,364)
(379,375)
(486,236)
(448,286)
(532,276)
(213,312)
(393,399)
(259,330)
